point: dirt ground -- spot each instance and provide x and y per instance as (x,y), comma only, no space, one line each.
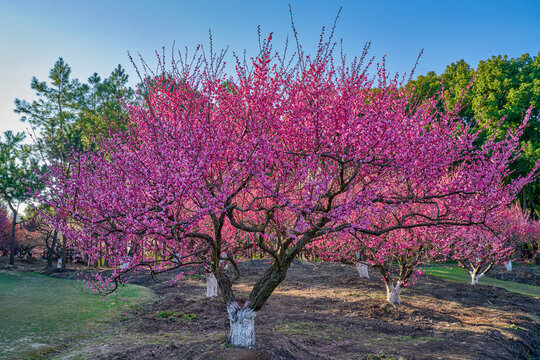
(325,311)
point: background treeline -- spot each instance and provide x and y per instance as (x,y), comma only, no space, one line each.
(67,115)
(498,87)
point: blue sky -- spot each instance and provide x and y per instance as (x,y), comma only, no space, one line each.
(95,36)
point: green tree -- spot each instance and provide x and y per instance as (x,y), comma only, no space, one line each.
(53,116)
(500,87)
(18,175)
(103,108)
(68,115)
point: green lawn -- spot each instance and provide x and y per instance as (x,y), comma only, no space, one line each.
(458,274)
(38,314)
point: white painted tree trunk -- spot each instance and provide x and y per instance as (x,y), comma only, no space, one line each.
(242,322)
(362,269)
(226,265)
(475,278)
(509,266)
(393,293)
(124,263)
(59,263)
(211,285)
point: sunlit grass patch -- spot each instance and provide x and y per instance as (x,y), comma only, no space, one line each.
(458,274)
(40,313)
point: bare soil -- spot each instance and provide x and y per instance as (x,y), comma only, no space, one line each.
(325,311)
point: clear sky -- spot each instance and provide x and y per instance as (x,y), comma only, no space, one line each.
(95,36)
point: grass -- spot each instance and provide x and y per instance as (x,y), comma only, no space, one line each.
(458,274)
(294,327)
(40,313)
(514,327)
(166,314)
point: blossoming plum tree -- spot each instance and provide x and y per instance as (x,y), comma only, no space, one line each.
(478,249)
(423,210)
(276,157)
(408,248)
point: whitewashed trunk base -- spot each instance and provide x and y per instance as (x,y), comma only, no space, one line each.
(125,262)
(509,266)
(475,278)
(242,322)
(362,270)
(393,293)
(211,285)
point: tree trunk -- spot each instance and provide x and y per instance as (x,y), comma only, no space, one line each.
(475,277)
(393,293)
(12,242)
(509,266)
(242,322)
(99,264)
(124,263)
(64,257)
(362,269)
(211,285)
(107,255)
(50,249)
